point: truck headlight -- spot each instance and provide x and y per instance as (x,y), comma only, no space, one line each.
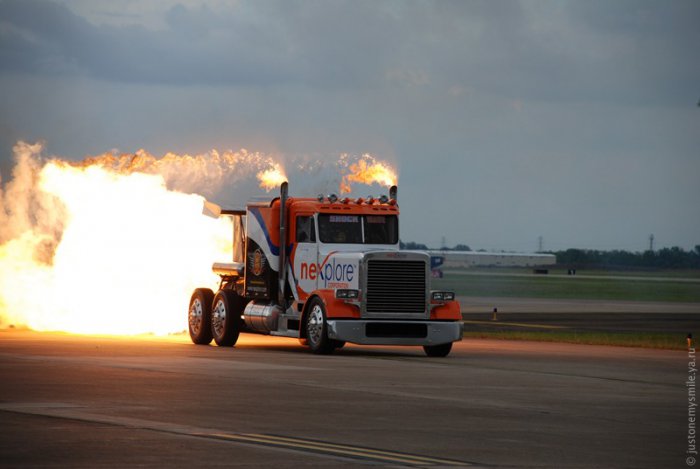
(345,294)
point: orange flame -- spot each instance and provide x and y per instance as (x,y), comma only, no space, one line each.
(368,170)
(272,178)
(114,244)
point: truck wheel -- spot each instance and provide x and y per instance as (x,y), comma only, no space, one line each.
(317,329)
(226,318)
(441,350)
(199,316)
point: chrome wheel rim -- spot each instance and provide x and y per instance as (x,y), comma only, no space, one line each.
(195,316)
(218,318)
(314,326)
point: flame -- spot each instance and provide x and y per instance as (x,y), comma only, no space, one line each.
(367,170)
(105,245)
(186,173)
(272,178)
(115,244)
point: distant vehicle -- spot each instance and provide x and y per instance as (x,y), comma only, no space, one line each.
(337,276)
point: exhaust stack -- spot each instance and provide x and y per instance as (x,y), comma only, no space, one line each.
(282,272)
(393,193)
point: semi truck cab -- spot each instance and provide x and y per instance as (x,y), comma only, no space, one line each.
(327,271)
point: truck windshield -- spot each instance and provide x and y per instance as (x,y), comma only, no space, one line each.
(349,229)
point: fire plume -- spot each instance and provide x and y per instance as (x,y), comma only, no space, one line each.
(115,244)
(271,178)
(112,244)
(367,170)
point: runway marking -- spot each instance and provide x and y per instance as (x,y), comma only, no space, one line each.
(517,324)
(337,449)
(78,413)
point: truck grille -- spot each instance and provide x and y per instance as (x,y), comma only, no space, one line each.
(395,287)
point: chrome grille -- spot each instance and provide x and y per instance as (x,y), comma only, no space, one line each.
(395,287)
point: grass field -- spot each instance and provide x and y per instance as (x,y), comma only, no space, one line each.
(599,285)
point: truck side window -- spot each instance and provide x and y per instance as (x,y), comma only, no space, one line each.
(306,232)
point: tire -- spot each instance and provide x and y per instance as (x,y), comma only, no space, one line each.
(199,316)
(226,318)
(441,350)
(316,328)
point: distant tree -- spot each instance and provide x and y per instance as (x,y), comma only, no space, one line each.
(667,258)
(461,247)
(411,246)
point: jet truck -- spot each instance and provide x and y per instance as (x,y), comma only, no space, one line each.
(327,271)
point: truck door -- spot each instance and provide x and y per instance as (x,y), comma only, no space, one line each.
(305,255)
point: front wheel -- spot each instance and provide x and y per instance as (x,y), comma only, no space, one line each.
(441,350)
(316,329)
(199,316)
(226,318)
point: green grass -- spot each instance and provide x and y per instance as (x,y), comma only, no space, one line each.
(666,273)
(645,340)
(574,287)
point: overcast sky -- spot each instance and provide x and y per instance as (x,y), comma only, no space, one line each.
(575,121)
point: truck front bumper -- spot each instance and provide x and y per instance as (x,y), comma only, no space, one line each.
(376,332)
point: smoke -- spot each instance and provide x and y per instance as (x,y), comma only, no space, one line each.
(205,174)
(24,208)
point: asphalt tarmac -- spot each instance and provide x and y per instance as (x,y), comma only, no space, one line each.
(73,401)
(535,314)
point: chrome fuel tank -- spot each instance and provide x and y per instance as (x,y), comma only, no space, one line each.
(261,317)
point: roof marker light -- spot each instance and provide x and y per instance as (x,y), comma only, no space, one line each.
(320,197)
(383,199)
(333,198)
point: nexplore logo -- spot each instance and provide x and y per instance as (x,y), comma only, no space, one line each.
(330,273)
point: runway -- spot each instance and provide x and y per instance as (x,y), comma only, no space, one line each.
(73,401)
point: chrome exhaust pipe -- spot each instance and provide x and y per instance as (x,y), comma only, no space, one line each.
(282,272)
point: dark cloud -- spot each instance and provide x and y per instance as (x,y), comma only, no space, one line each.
(537,118)
(44,37)
(627,51)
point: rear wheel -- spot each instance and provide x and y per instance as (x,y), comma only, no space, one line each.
(226,318)
(316,329)
(199,316)
(441,350)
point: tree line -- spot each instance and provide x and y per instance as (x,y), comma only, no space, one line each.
(666,258)
(411,246)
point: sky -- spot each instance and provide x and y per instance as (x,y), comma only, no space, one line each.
(573,122)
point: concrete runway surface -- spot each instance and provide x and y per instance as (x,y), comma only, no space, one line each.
(72,401)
